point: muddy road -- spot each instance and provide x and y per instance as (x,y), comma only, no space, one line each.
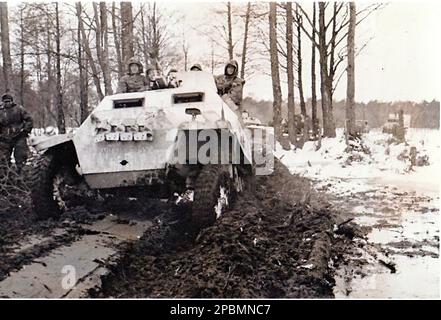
(67,257)
(269,245)
(276,241)
(398,256)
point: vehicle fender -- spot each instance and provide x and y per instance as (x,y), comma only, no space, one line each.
(41,143)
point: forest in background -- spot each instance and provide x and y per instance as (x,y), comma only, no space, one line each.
(60,59)
(423,114)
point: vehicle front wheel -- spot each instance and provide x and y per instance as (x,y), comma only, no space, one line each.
(49,185)
(214,193)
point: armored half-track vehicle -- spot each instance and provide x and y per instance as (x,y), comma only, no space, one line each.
(182,142)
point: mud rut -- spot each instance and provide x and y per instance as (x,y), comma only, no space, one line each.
(276,241)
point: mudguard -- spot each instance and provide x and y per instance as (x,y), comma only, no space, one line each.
(44,142)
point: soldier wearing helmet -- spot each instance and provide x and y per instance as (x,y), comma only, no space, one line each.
(15,126)
(229,85)
(172,78)
(196,67)
(133,81)
(155,78)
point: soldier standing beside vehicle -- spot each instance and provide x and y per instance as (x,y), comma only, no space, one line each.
(15,126)
(133,81)
(229,85)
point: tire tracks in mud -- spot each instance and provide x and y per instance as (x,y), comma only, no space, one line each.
(275,242)
(34,256)
(272,244)
(85,256)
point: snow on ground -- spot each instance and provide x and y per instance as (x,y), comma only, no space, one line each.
(330,167)
(399,206)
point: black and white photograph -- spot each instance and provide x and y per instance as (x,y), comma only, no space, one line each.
(207,150)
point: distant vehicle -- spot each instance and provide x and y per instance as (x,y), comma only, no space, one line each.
(393,123)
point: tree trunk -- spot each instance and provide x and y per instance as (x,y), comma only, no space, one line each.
(323,66)
(6,49)
(245,40)
(22,60)
(277,93)
(212,57)
(299,64)
(116,40)
(350,93)
(86,47)
(60,113)
(50,77)
(145,45)
(127,31)
(185,51)
(230,32)
(103,43)
(326,86)
(331,71)
(290,74)
(315,123)
(82,79)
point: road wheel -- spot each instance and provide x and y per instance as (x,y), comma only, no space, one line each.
(214,192)
(50,182)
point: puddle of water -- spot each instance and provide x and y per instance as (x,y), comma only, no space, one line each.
(415,278)
(406,225)
(413,226)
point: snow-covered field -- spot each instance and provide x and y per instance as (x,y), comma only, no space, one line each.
(329,163)
(400,206)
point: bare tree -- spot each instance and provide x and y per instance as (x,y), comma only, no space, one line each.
(245,40)
(350,93)
(330,57)
(6,50)
(185,49)
(60,112)
(155,38)
(277,93)
(290,74)
(117,41)
(299,64)
(127,31)
(102,44)
(82,77)
(230,32)
(50,76)
(315,129)
(22,57)
(144,37)
(86,46)
(326,85)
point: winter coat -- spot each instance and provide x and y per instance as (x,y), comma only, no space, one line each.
(133,82)
(159,83)
(231,85)
(14,121)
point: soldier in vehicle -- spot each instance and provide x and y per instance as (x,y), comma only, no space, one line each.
(172,79)
(196,67)
(133,81)
(229,85)
(155,78)
(15,126)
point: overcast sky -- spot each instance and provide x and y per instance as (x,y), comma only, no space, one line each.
(402,60)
